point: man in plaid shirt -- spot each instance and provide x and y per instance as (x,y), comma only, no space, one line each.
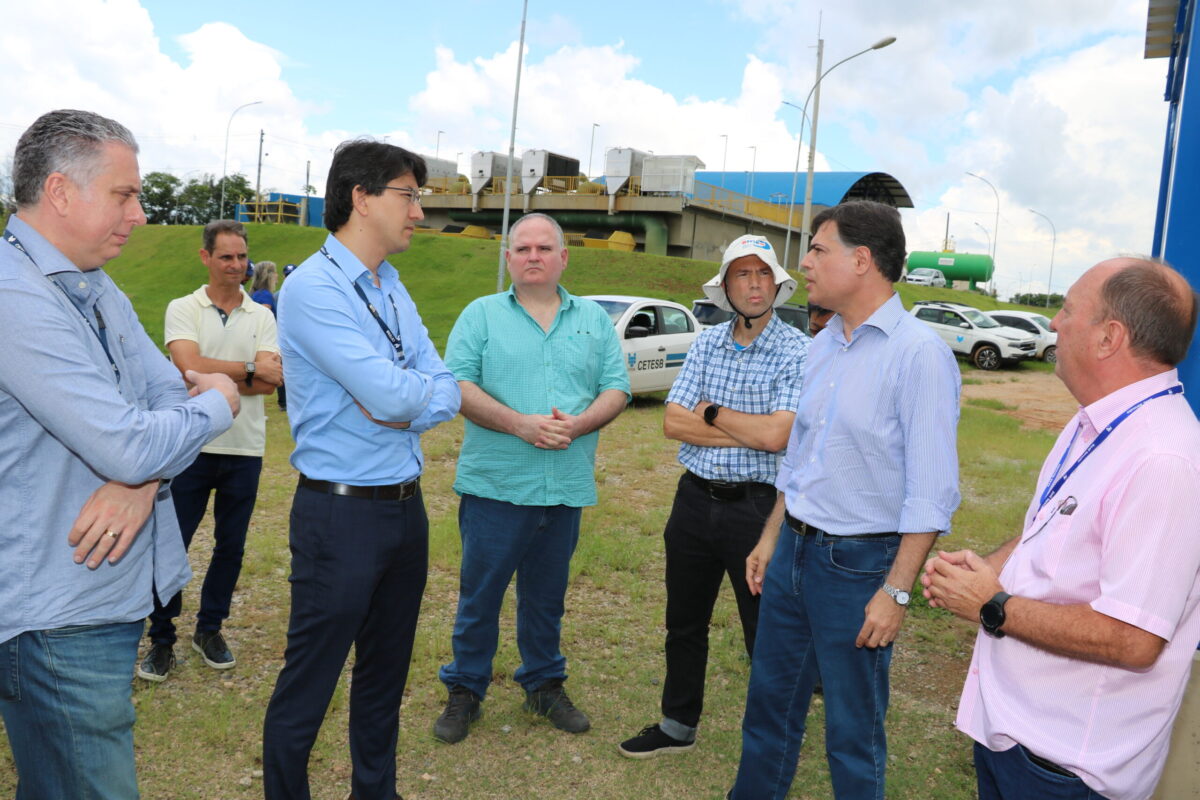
(732,408)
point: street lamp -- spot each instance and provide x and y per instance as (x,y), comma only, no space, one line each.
(724,158)
(989,239)
(437,148)
(812,145)
(1053,242)
(996,227)
(225,160)
(753,164)
(591,149)
(512,144)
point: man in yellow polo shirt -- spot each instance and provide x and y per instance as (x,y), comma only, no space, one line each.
(218,328)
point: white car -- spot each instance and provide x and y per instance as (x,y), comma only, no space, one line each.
(926,276)
(1036,325)
(655,337)
(970,332)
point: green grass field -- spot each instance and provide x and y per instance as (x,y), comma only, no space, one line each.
(199,734)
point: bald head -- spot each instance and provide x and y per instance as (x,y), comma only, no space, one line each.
(1152,301)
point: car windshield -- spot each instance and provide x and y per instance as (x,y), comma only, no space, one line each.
(709,314)
(981,320)
(1041,322)
(614,308)
(921,272)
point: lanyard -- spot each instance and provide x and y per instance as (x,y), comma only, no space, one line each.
(392,338)
(1055,483)
(100,331)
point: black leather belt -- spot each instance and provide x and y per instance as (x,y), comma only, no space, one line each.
(732,490)
(804,529)
(1047,764)
(392,491)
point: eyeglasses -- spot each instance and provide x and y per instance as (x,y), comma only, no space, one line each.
(413,195)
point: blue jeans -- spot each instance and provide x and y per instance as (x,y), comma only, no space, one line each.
(816,589)
(1012,775)
(499,539)
(235,481)
(65,699)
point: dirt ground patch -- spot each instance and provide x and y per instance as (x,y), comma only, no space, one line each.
(1038,399)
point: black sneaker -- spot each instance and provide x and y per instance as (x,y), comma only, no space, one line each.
(550,700)
(462,708)
(157,664)
(211,645)
(652,741)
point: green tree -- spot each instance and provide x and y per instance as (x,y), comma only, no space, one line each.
(1038,300)
(160,197)
(200,199)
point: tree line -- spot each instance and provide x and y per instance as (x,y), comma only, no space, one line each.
(168,200)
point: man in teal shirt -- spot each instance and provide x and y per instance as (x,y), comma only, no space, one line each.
(540,372)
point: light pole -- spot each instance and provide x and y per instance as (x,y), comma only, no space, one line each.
(812,144)
(1053,243)
(996,227)
(591,149)
(989,247)
(437,148)
(512,144)
(753,164)
(724,158)
(225,160)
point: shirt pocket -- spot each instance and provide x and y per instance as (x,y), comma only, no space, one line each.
(754,398)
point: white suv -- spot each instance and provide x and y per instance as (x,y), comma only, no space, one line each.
(971,333)
(1035,325)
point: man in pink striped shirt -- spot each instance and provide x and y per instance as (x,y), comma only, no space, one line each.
(1091,616)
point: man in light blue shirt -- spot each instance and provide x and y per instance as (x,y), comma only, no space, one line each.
(541,373)
(365,382)
(94,418)
(869,481)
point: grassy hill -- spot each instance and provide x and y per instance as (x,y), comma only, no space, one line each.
(442,273)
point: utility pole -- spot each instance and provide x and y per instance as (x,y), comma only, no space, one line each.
(307,183)
(258,183)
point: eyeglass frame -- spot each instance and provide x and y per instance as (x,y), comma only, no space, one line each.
(413,195)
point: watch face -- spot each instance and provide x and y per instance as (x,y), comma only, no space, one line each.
(902,598)
(990,615)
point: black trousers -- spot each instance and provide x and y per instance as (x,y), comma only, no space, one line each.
(705,539)
(358,573)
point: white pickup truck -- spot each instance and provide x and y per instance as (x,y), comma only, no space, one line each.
(973,334)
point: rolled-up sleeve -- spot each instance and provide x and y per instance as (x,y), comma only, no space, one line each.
(929,409)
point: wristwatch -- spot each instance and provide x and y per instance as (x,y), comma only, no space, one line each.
(710,413)
(899,595)
(991,615)
(250,373)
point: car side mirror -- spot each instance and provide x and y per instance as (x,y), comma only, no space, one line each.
(966,325)
(636,332)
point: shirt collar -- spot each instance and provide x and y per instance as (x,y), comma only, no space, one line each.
(355,270)
(1102,412)
(201,294)
(47,257)
(885,319)
(768,334)
(566,298)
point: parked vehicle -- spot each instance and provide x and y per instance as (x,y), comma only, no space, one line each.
(971,333)
(926,276)
(655,337)
(1033,324)
(708,315)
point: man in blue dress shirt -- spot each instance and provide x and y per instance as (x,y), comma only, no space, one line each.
(94,418)
(541,373)
(365,382)
(869,481)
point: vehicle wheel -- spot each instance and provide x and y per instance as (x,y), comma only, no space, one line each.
(1051,355)
(986,356)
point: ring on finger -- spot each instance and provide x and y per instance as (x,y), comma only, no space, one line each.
(112,534)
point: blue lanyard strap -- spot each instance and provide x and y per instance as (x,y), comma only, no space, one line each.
(100,331)
(1055,483)
(392,338)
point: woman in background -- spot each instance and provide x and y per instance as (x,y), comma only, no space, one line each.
(265,279)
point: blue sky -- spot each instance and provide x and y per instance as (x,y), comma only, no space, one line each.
(1052,102)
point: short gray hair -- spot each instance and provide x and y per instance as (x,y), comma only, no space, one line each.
(66,141)
(562,240)
(1156,305)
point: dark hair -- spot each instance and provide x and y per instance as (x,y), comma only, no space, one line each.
(815,310)
(875,226)
(369,164)
(219,226)
(1160,315)
(66,141)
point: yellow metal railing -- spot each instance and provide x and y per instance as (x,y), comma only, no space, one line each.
(719,199)
(273,211)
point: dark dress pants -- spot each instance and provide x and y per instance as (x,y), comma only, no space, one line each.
(705,540)
(358,573)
